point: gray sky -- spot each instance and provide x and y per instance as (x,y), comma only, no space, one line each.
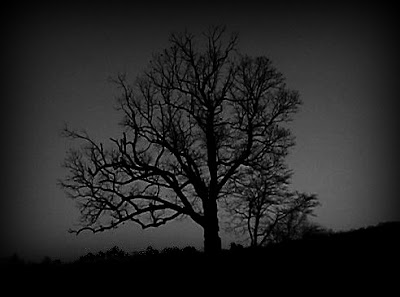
(58,61)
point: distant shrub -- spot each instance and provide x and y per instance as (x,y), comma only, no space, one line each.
(150,251)
(189,250)
(171,251)
(235,247)
(115,254)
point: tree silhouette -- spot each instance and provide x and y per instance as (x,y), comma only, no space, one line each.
(293,221)
(263,208)
(199,114)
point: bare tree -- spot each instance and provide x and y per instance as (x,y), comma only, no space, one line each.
(200,113)
(295,221)
(264,210)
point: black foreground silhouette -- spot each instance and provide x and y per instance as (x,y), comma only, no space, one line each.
(372,252)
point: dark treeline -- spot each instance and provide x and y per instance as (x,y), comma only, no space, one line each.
(322,249)
(323,260)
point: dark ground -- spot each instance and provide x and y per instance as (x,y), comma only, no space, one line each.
(362,257)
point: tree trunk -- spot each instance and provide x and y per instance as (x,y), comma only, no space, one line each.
(212,241)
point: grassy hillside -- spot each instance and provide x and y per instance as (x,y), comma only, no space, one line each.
(367,252)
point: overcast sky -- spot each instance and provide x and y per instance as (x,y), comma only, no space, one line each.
(57,61)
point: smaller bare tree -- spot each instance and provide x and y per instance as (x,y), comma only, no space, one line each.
(265,210)
(295,221)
